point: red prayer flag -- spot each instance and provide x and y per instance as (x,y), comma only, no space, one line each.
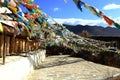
(30,6)
(108,20)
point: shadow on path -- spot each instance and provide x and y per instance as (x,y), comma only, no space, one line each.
(59,61)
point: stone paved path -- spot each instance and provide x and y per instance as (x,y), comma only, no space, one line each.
(64,67)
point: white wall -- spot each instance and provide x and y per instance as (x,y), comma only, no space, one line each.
(18,69)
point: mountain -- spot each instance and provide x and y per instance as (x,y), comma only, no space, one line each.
(94,30)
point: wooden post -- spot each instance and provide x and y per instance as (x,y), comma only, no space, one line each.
(4,39)
(19,47)
(1,45)
(7,45)
(22,45)
(16,44)
(26,47)
(12,39)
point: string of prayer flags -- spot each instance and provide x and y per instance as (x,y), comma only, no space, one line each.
(95,11)
(35,25)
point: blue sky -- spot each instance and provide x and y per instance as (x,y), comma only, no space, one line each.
(68,12)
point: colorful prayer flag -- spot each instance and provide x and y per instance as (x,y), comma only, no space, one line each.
(1,27)
(108,20)
(117,25)
(79,4)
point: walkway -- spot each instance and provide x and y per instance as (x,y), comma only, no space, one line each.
(64,67)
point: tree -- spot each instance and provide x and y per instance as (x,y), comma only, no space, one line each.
(85,33)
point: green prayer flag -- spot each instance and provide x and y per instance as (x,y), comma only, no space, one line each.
(117,25)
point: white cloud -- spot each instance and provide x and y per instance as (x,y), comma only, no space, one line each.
(111,6)
(75,21)
(118,18)
(55,9)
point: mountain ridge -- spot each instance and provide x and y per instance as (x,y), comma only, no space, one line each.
(94,30)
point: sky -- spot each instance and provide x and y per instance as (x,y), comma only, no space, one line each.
(68,13)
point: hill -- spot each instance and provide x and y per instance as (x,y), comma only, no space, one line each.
(94,30)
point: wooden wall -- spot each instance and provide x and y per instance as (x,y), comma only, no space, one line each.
(17,45)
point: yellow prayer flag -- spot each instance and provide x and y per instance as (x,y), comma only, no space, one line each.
(44,24)
(38,11)
(1,28)
(13,9)
(93,10)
